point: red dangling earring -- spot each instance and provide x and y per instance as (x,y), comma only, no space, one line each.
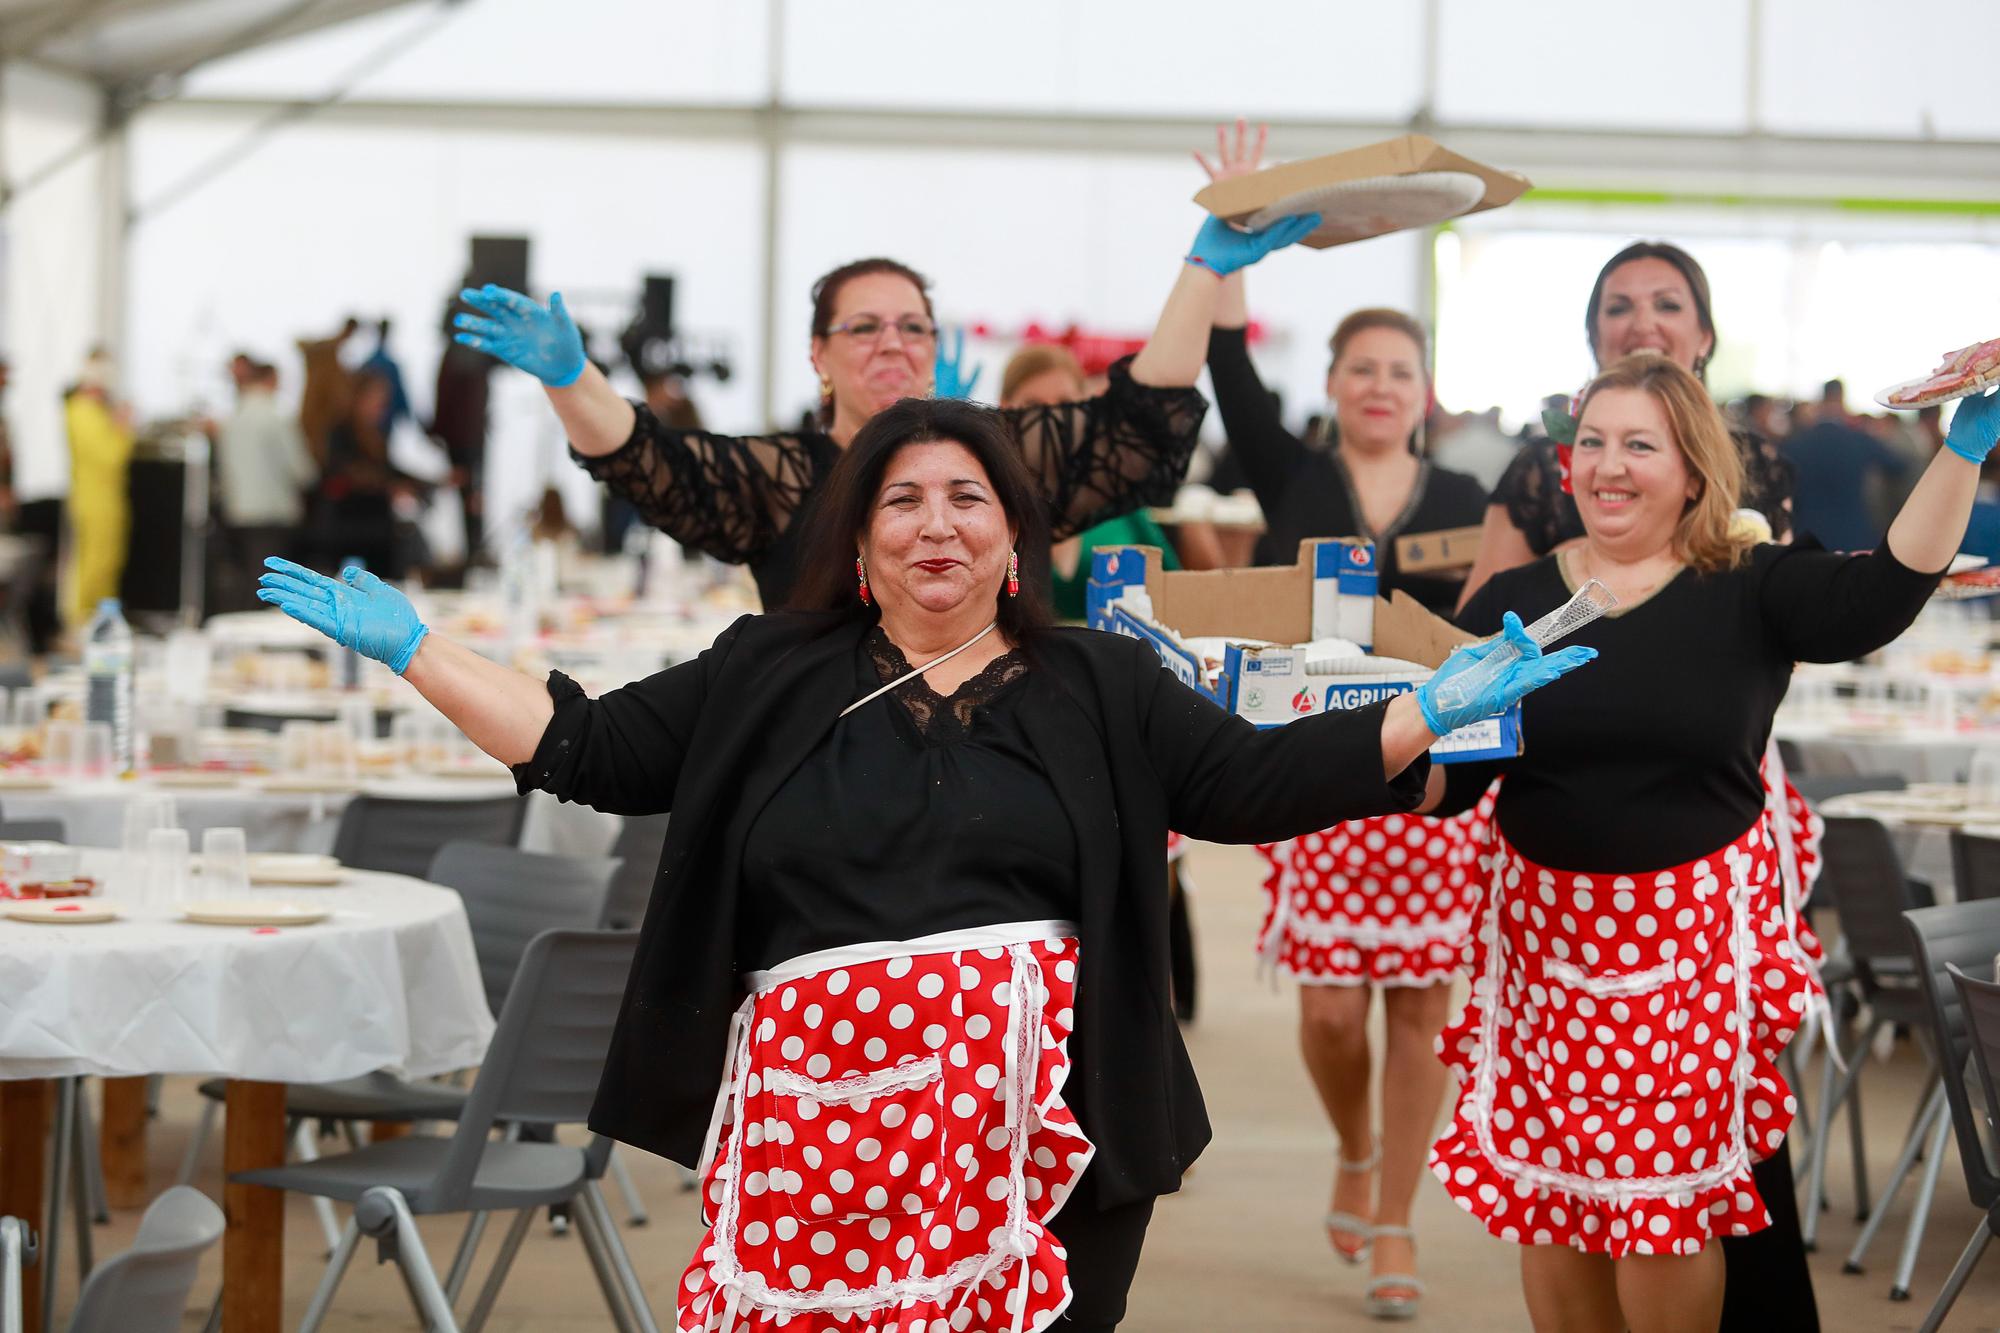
(1013,574)
(861,577)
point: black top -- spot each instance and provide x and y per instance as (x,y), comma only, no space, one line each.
(1307,492)
(1648,757)
(916,814)
(745,499)
(1130,752)
(1531,490)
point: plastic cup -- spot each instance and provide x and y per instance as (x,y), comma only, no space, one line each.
(225,864)
(167,866)
(62,749)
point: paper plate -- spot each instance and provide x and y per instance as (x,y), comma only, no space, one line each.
(63,912)
(25,782)
(1977,385)
(1358,209)
(294,868)
(233,913)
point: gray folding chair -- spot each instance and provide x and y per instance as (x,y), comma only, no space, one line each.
(638,846)
(17,1248)
(542,1068)
(1965,1025)
(403,837)
(145,1289)
(1975,866)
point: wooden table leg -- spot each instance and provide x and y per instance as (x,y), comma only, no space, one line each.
(381,1131)
(121,1137)
(24,1131)
(253,1245)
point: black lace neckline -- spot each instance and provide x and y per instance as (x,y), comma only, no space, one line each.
(938,716)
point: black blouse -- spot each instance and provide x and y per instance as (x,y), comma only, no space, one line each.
(1648,757)
(744,499)
(1307,492)
(915,814)
(1531,490)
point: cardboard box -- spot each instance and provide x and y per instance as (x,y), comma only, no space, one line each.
(1240,197)
(1288,608)
(1446,548)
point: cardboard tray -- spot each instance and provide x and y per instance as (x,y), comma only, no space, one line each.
(1238,198)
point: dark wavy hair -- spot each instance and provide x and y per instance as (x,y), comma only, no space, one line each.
(1697,282)
(844,503)
(826,292)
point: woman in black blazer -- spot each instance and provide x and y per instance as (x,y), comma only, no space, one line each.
(916,917)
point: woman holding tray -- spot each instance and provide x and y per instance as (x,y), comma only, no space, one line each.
(1637,961)
(1381,903)
(745,499)
(915,915)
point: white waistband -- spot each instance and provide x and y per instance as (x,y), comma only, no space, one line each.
(947,941)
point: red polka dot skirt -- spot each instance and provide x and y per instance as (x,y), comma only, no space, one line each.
(1386,901)
(893,1141)
(1617,1057)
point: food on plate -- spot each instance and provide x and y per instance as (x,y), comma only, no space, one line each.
(1968,368)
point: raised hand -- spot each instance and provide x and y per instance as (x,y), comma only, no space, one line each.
(1241,158)
(1530,670)
(1975,426)
(949,379)
(356,610)
(540,340)
(1222,249)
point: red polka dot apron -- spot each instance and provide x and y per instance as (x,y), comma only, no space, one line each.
(891,1141)
(1386,901)
(1617,1059)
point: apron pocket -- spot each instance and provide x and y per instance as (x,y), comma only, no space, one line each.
(867,1146)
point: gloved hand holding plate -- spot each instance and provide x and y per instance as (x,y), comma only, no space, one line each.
(1400,184)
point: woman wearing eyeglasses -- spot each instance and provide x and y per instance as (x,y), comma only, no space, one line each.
(744,499)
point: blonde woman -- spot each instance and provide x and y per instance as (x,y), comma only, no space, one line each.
(1636,968)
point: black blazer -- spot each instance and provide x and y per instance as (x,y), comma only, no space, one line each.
(1131,751)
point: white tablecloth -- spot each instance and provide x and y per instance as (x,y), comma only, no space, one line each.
(388,982)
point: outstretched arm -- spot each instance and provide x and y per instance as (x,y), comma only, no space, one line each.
(543,341)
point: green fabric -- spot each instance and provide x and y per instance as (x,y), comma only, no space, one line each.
(1135,529)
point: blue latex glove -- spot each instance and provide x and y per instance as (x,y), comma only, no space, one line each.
(948,373)
(1222,249)
(542,341)
(356,610)
(1530,671)
(1975,425)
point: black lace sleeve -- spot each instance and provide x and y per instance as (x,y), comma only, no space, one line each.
(1122,450)
(1767,481)
(1531,490)
(730,496)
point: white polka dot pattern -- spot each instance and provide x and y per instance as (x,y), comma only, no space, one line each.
(1385,901)
(1617,1057)
(877,1154)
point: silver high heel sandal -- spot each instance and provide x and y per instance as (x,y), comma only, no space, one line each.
(1336,1222)
(1398,1306)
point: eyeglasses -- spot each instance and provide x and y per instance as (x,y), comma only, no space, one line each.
(870,328)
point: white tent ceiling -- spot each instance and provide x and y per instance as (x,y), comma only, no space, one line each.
(131,45)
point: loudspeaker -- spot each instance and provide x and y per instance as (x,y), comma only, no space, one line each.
(502,260)
(656,306)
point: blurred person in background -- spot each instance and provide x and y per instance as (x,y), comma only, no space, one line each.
(1045,375)
(1843,473)
(874,341)
(264,472)
(100,506)
(1374,904)
(358,485)
(1649,297)
(383,363)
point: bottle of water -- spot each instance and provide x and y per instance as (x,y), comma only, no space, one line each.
(107,665)
(350,661)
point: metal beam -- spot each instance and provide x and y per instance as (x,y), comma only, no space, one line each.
(1748,165)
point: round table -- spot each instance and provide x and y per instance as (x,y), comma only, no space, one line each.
(389,981)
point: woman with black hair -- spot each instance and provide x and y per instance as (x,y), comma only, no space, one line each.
(916,914)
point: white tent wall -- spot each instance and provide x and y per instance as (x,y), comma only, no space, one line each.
(51,256)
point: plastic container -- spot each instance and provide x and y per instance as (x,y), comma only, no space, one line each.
(1592,600)
(107,665)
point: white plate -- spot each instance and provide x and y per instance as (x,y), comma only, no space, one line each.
(1978,385)
(1377,205)
(294,868)
(62,912)
(332,786)
(25,782)
(194,778)
(246,913)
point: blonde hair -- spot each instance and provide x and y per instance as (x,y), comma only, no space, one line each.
(1702,539)
(1038,359)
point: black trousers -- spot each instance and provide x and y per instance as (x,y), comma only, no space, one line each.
(1769,1288)
(1103,1254)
